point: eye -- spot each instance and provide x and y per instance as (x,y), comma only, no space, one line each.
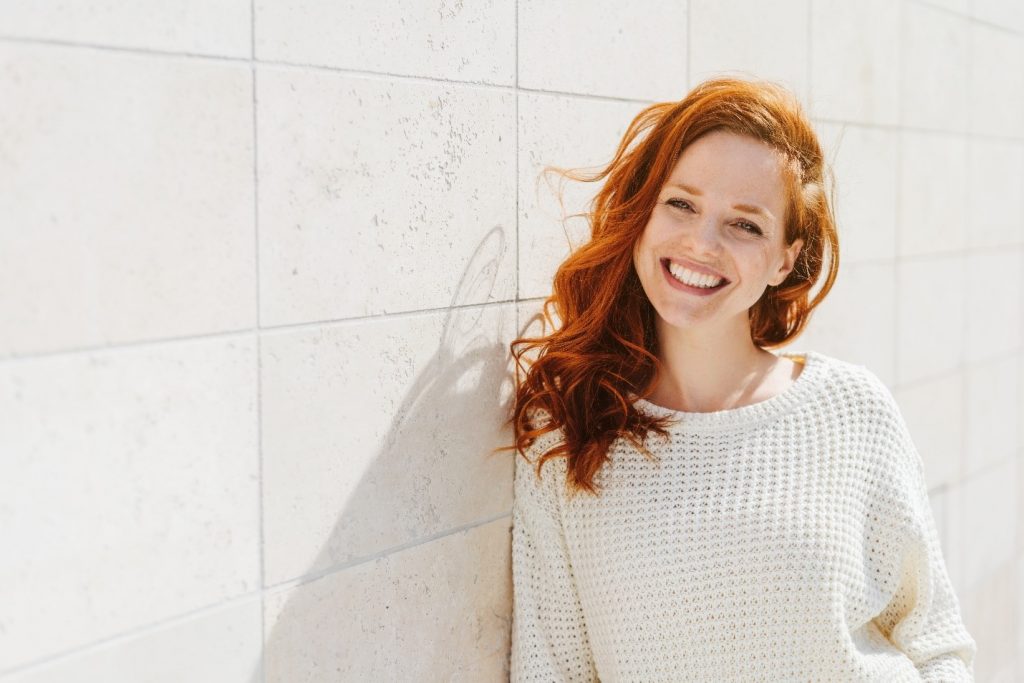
(747,225)
(751,228)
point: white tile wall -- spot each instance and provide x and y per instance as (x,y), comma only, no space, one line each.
(978,543)
(856,321)
(437,611)
(995,201)
(994,303)
(127,208)
(219,644)
(739,37)
(1020,406)
(996,92)
(202,27)
(635,50)
(930,302)
(130,493)
(1006,14)
(458,41)
(930,220)
(864,159)
(934,412)
(991,400)
(1018,588)
(570,132)
(934,68)
(374,193)
(957,6)
(358,481)
(855,54)
(260,264)
(991,619)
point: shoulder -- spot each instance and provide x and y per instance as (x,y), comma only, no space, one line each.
(864,413)
(876,423)
(541,487)
(858,390)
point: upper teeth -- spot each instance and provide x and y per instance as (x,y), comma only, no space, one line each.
(693,278)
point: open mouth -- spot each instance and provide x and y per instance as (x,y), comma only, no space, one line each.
(686,286)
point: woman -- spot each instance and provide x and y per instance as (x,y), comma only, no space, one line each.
(712,510)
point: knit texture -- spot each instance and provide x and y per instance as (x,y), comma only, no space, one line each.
(786,540)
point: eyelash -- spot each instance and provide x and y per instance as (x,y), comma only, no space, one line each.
(756,230)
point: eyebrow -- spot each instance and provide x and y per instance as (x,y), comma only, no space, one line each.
(749,208)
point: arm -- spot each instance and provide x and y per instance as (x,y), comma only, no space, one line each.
(549,636)
(923,617)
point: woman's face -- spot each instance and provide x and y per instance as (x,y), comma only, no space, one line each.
(727,221)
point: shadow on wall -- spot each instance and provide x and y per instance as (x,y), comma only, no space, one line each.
(393,593)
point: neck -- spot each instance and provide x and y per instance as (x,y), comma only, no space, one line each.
(709,372)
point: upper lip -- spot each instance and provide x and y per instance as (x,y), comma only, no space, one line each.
(691,265)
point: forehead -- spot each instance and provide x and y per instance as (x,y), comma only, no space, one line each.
(723,162)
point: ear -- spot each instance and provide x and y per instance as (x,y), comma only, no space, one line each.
(788,261)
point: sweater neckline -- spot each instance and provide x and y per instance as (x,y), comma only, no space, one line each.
(812,375)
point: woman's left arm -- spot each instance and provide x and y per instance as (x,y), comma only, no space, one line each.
(923,618)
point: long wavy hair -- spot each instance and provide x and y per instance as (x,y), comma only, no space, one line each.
(604,352)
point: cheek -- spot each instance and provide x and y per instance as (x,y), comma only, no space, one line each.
(658,227)
(641,247)
(655,233)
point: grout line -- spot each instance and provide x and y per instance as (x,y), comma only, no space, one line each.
(393,77)
(898,259)
(133,633)
(314,325)
(961,466)
(898,127)
(252,30)
(245,333)
(259,344)
(969,16)
(689,44)
(128,345)
(975,364)
(515,95)
(808,54)
(382,554)
(387,76)
(139,51)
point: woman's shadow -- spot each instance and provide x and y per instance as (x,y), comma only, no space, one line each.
(413,583)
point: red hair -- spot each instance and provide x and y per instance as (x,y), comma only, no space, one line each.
(606,348)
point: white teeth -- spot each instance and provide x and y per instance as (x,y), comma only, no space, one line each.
(692,278)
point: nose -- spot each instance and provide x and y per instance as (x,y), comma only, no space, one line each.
(704,236)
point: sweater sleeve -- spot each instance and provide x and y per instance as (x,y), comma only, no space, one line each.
(549,636)
(923,617)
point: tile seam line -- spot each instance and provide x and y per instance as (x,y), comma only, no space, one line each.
(515,104)
(244,333)
(139,630)
(260,516)
(398,315)
(511,87)
(968,15)
(383,554)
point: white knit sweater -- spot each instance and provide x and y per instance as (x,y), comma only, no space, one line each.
(786,540)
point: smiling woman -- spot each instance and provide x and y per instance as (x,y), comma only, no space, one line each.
(700,241)
(778,526)
(712,227)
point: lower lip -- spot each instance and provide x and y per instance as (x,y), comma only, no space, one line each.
(698,291)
